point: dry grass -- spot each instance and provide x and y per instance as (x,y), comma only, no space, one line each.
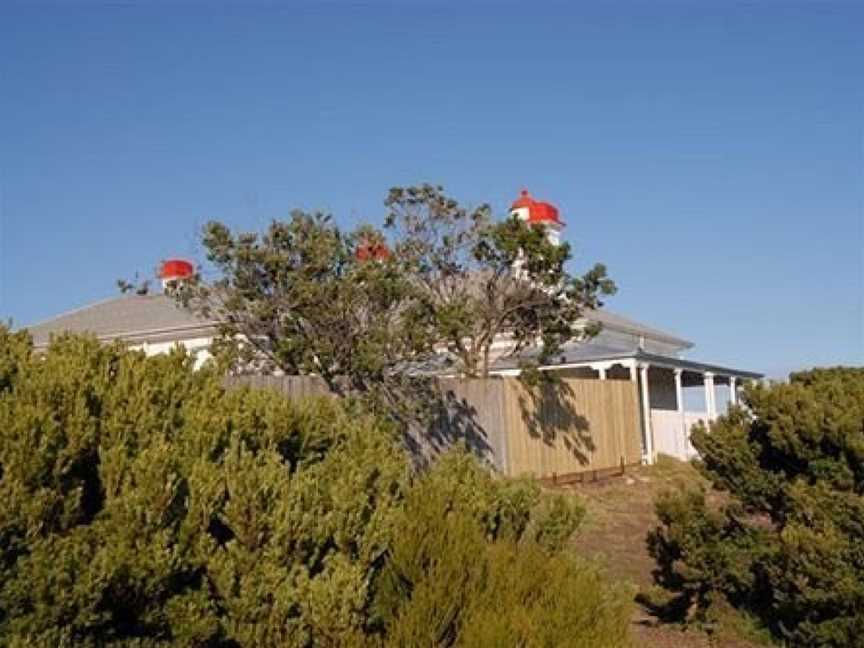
(620,512)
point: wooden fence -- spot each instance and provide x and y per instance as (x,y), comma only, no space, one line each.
(291,386)
(573,427)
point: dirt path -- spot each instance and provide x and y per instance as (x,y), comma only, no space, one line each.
(620,514)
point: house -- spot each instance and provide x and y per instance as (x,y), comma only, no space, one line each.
(674,391)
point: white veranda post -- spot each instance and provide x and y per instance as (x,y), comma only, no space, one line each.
(646,414)
(679,399)
(710,401)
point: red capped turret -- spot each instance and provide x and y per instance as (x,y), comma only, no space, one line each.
(175,270)
(538,213)
(372,251)
(524,200)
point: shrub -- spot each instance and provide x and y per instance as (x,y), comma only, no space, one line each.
(783,538)
(467,571)
(143,504)
(139,500)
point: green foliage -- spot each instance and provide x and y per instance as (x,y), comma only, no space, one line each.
(143,504)
(479,279)
(142,501)
(784,539)
(530,599)
(471,565)
(297,298)
(702,552)
(137,285)
(15,348)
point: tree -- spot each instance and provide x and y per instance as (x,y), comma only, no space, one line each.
(782,538)
(144,504)
(307,298)
(300,299)
(481,280)
(469,567)
(140,287)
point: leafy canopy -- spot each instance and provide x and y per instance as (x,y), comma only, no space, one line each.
(301,299)
(142,504)
(298,299)
(480,280)
(785,543)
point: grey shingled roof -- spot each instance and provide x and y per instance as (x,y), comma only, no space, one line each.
(572,353)
(618,322)
(607,318)
(157,317)
(131,317)
(592,351)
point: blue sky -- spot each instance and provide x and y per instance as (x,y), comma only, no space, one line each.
(711,154)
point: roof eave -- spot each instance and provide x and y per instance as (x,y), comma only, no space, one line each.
(185,332)
(660,361)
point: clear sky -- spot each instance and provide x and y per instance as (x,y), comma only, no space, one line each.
(711,154)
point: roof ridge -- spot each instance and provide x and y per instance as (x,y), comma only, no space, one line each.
(635,324)
(100,302)
(77,310)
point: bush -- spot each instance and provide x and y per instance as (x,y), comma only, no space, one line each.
(782,540)
(465,569)
(140,500)
(143,504)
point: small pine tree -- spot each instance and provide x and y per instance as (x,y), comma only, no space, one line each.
(480,562)
(142,503)
(784,540)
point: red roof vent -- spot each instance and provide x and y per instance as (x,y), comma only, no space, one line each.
(369,251)
(538,212)
(524,200)
(173,269)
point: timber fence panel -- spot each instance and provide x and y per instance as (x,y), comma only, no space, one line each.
(571,426)
(472,412)
(291,386)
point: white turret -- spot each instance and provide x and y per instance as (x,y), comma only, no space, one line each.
(538,213)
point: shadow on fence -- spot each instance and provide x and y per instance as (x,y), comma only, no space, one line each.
(549,412)
(457,420)
(567,426)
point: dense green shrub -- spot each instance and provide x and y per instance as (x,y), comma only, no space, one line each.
(138,499)
(143,504)
(468,567)
(782,539)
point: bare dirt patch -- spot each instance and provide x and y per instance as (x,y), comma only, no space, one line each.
(620,513)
